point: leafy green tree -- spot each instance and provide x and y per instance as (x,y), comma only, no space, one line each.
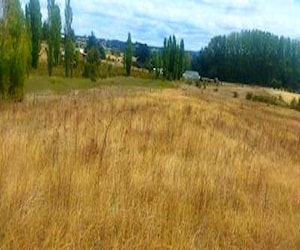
(93,60)
(69,43)
(173,58)
(34,22)
(158,64)
(252,57)
(57,27)
(181,66)
(93,42)
(14,50)
(50,37)
(143,55)
(166,58)
(187,61)
(128,55)
(54,35)
(45,30)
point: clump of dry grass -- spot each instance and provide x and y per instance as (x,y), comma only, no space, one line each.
(169,169)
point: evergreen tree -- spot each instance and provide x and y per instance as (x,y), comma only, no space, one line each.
(128,55)
(69,43)
(34,22)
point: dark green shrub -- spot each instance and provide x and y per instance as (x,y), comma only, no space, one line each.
(295,104)
(249,96)
(276,84)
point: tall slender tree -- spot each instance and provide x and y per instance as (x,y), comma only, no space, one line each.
(128,55)
(166,58)
(1,44)
(57,28)
(14,50)
(54,35)
(50,37)
(157,63)
(45,30)
(69,44)
(181,66)
(173,58)
(93,59)
(34,22)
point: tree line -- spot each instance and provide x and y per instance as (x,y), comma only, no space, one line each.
(253,57)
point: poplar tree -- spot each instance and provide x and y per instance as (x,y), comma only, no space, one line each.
(34,22)
(54,35)
(69,44)
(166,58)
(173,57)
(181,59)
(57,28)
(157,61)
(128,55)
(50,37)
(93,59)
(14,49)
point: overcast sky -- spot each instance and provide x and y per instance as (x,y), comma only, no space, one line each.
(196,21)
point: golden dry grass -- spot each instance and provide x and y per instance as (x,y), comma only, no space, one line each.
(286,96)
(173,169)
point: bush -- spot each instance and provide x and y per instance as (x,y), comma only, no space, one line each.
(295,104)
(235,94)
(268,99)
(276,84)
(274,100)
(249,96)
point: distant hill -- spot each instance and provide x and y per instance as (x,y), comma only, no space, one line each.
(116,45)
(119,46)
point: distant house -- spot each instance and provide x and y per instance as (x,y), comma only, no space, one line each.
(190,75)
(160,70)
(81,52)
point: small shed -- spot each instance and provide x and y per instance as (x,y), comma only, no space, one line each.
(190,75)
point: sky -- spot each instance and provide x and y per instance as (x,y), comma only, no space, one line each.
(194,21)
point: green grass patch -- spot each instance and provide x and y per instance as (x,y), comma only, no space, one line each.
(268,99)
(38,83)
(137,82)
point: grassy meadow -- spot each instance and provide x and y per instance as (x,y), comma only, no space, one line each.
(147,166)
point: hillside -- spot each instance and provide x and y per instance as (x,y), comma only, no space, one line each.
(141,168)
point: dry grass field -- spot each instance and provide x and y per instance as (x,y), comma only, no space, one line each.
(161,169)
